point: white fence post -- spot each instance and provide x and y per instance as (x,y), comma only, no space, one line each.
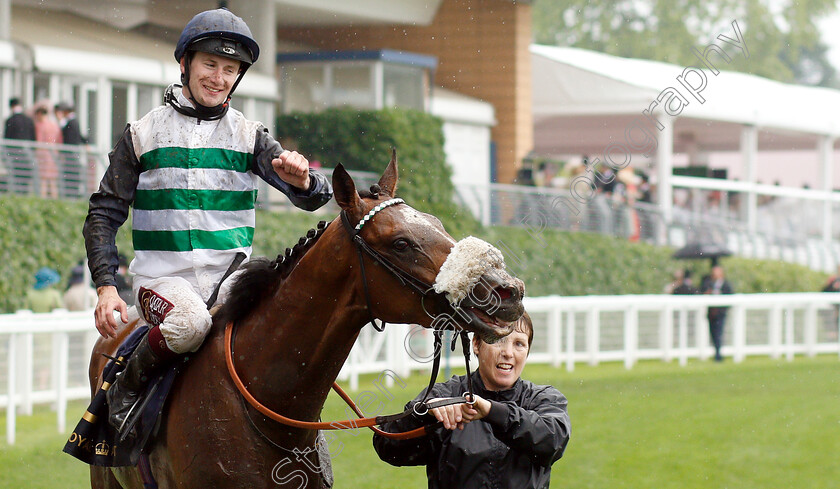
(61,383)
(555,335)
(10,389)
(775,334)
(27,366)
(739,333)
(666,332)
(593,335)
(683,336)
(701,333)
(631,336)
(810,330)
(570,340)
(789,333)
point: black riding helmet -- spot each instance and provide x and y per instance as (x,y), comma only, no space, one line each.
(218,32)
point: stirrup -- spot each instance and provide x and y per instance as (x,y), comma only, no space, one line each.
(127,429)
(126,419)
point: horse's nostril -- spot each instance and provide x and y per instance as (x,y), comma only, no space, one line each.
(504,293)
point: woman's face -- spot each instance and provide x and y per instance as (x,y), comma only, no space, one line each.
(501,364)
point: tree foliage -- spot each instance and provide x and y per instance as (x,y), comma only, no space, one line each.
(782,36)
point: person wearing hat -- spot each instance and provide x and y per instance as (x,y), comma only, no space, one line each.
(66,115)
(43,297)
(79,296)
(187,169)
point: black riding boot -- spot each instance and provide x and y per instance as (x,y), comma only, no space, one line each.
(125,391)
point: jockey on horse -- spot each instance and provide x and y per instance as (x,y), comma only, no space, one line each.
(187,169)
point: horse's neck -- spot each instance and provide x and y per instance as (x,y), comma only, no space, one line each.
(297,341)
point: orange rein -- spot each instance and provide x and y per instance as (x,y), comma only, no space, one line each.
(361,422)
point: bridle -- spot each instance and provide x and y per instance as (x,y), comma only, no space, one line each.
(405,279)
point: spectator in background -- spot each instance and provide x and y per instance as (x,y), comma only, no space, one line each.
(676,282)
(833,283)
(74,169)
(645,190)
(17,160)
(686,287)
(80,296)
(70,132)
(43,297)
(19,125)
(47,131)
(716,284)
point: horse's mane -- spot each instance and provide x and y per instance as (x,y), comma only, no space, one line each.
(260,277)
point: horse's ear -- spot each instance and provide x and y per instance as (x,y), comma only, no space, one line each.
(388,180)
(344,189)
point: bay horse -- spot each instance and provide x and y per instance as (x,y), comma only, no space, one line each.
(297,319)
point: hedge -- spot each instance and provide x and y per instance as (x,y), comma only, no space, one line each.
(38,232)
(362,141)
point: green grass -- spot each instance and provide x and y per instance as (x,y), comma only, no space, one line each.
(759,424)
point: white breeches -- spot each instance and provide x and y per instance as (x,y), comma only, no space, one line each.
(186,324)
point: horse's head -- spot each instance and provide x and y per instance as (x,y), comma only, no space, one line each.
(415,271)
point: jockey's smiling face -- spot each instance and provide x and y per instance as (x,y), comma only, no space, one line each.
(211,78)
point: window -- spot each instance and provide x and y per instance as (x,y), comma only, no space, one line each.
(148,97)
(313,81)
(264,112)
(352,85)
(305,90)
(119,112)
(404,86)
(41,86)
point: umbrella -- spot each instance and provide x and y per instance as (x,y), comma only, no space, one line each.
(694,251)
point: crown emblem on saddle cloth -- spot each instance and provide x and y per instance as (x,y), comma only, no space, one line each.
(102,448)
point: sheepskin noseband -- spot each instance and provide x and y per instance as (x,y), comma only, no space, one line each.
(469,260)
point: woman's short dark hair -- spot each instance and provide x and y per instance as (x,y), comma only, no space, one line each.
(523,325)
(526,326)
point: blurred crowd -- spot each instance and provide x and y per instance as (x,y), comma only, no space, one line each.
(48,123)
(615,193)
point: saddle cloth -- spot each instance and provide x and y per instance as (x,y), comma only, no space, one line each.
(94,441)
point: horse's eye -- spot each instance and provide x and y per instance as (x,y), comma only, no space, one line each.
(401,244)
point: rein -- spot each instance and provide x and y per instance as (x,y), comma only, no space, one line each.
(361,421)
(368,422)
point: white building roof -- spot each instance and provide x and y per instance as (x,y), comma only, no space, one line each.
(84,47)
(588,86)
